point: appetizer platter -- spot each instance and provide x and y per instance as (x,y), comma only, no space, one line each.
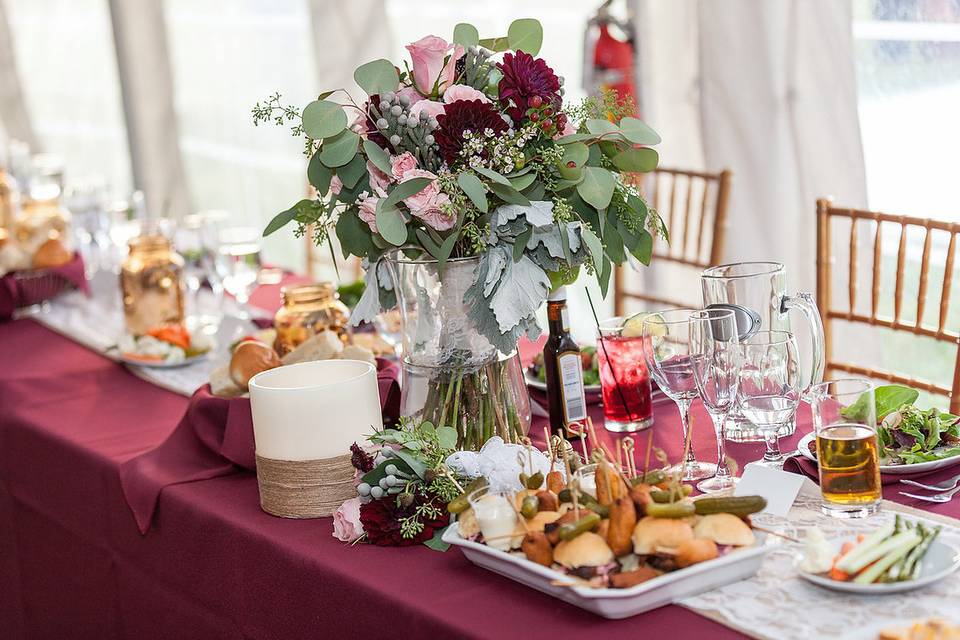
(900,556)
(612,541)
(911,440)
(164,346)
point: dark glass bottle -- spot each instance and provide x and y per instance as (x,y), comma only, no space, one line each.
(563,368)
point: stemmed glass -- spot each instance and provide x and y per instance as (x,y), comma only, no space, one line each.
(715,351)
(770,387)
(667,351)
(239,263)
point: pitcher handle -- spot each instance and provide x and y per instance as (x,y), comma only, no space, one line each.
(804,302)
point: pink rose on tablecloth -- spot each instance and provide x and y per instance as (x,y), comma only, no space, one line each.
(336,185)
(346,521)
(368,211)
(437,216)
(432,108)
(425,196)
(427,55)
(463,92)
(402,163)
(411,93)
(378,179)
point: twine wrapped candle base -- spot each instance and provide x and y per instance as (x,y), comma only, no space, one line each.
(304,488)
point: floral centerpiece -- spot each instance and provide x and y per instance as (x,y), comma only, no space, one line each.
(470,190)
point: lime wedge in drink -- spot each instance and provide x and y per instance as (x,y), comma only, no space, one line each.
(633,326)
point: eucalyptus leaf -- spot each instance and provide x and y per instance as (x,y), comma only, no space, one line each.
(466,34)
(520,244)
(473,187)
(525,34)
(601,126)
(594,246)
(340,149)
(402,191)
(495,44)
(432,247)
(354,235)
(603,277)
(280,220)
(613,244)
(447,248)
(638,132)
(597,186)
(493,175)
(351,172)
(509,194)
(376,155)
(636,160)
(391,224)
(447,437)
(418,466)
(536,191)
(376,77)
(436,542)
(575,137)
(318,175)
(643,251)
(522,182)
(323,119)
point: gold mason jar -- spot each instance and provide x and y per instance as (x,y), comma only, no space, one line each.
(9,199)
(42,216)
(307,310)
(151,280)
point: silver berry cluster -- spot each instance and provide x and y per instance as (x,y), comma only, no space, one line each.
(406,132)
(476,67)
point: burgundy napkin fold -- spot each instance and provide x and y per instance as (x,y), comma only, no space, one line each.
(214,438)
(799,464)
(22,288)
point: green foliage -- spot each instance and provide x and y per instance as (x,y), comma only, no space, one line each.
(597,187)
(474,189)
(376,77)
(525,34)
(323,119)
(340,149)
(466,34)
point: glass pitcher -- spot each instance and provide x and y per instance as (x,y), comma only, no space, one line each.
(761,287)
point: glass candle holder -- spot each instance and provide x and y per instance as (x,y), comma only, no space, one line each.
(151,281)
(308,310)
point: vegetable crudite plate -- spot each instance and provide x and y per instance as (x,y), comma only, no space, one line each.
(616,603)
(893,469)
(161,364)
(940,560)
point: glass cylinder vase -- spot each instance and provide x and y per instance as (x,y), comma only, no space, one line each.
(450,374)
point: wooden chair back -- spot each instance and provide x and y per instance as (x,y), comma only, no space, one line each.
(827,213)
(693,204)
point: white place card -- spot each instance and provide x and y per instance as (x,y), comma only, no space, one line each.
(780,488)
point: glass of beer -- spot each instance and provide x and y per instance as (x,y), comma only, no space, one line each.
(845,422)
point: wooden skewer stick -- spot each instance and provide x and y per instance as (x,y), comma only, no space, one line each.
(606,452)
(628,449)
(620,457)
(547,443)
(520,517)
(774,533)
(646,459)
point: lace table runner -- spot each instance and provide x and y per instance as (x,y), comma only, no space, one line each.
(97,322)
(777,604)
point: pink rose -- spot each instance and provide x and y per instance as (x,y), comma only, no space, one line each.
(368,211)
(463,92)
(433,109)
(427,55)
(449,74)
(425,196)
(346,521)
(402,163)
(411,93)
(336,185)
(378,179)
(435,215)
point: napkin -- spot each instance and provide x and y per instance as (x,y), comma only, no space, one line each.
(22,289)
(214,438)
(799,464)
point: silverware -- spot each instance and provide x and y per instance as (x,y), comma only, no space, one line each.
(937,497)
(946,485)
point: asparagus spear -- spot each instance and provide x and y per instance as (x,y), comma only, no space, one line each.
(912,566)
(906,541)
(848,561)
(877,552)
(891,575)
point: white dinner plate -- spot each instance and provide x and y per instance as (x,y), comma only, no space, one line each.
(161,364)
(940,561)
(739,564)
(894,469)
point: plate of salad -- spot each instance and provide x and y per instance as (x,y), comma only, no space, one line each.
(537,375)
(911,440)
(164,347)
(898,556)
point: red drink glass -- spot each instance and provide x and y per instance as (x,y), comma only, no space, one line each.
(624,379)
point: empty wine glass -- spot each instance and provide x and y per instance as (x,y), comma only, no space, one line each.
(667,352)
(715,351)
(239,263)
(770,387)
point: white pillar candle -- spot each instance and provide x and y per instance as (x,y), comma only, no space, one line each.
(314,410)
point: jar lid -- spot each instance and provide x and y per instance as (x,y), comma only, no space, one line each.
(306,293)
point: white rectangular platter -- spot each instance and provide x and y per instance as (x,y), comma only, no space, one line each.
(616,603)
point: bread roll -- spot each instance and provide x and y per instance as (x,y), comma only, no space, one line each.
(694,551)
(320,346)
(249,359)
(354,352)
(586,550)
(724,528)
(651,533)
(51,253)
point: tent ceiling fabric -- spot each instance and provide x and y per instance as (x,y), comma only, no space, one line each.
(13,109)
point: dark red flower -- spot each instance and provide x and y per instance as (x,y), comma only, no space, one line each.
(361,460)
(526,78)
(465,115)
(381,521)
(373,134)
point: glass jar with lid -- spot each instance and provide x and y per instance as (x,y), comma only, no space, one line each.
(308,310)
(151,281)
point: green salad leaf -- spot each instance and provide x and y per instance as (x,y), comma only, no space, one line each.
(888,398)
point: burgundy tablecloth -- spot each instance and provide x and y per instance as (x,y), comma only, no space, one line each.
(27,288)
(74,565)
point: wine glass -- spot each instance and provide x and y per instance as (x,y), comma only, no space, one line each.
(239,263)
(770,387)
(715,351)
(667,351)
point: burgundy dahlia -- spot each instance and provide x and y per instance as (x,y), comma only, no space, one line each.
(373,134)
(461,116)
(524,78)
(381,521)
(361,460)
